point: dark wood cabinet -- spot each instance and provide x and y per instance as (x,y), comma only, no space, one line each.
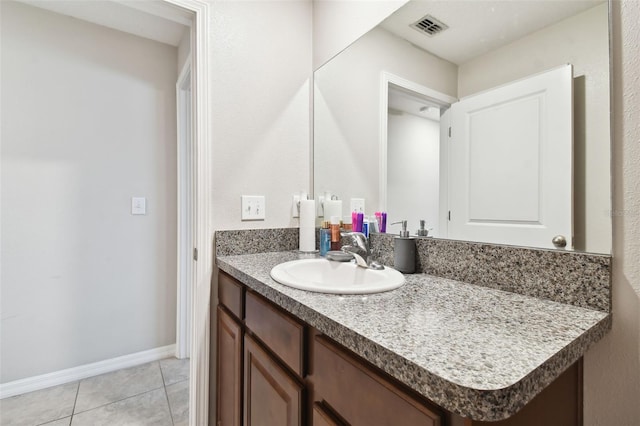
(274,370)
(271,395)
(229,369)
(361,395)
(322,417)
(559,404)
(280,332)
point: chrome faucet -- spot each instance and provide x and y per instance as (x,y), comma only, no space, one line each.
(360,250)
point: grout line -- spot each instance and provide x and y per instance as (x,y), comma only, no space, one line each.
(75,401)
(119,400)
(164,383)
(72,410)
(127,397)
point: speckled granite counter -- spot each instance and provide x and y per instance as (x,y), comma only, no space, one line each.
(476,351)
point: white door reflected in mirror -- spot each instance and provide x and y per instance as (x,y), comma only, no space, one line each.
(510,162)
(509,157)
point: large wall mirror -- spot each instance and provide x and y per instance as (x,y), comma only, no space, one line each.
(490,120)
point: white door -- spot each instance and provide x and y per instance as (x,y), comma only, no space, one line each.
(511,162)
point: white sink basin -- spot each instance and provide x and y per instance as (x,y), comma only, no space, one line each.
(324,276)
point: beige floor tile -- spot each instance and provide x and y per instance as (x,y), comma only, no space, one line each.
(174,370)
(178,395)
(111,387)
(39,407)
(61,422)
(147,409)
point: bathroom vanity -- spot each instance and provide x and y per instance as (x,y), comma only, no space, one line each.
(434,352)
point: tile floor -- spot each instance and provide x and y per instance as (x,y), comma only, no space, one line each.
(151,394)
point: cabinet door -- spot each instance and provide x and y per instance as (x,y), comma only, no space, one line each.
(229,368)
(362,396)
(271,395)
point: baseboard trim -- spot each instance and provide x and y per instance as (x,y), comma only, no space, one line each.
(55,378)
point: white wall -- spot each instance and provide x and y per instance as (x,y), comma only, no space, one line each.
(413,174)
(347,110)
(261,68)
(612,366)
(337,24)
(88,120)
(582,41)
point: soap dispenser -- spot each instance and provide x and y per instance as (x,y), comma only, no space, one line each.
(404,250)
(422,232)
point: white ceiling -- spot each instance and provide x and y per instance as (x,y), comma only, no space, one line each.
(151,19)
(480,26)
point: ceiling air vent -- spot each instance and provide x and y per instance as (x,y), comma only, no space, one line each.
(429,25)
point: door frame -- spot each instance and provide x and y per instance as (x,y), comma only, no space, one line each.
(429,94)
(203,208)
(186,211)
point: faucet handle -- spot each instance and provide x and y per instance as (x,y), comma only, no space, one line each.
(361,240)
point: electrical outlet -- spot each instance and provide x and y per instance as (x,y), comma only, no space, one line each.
(253,207)
(357,205)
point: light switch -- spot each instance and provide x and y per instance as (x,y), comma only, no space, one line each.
(138,205)
(253,207)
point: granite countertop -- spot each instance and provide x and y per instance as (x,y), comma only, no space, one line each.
(476,351)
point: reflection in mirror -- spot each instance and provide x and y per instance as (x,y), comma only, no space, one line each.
(362,148)
(413,157)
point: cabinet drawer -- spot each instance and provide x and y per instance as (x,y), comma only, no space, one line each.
(378,401)
(322,418)
(230,294)
(278,330)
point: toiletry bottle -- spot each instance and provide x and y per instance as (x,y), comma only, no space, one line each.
(325,238)
(365,226)
(359,221)
(404,250)
(335,233)
(373,225)
(347,224)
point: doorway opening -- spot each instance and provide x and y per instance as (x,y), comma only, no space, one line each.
(414,124)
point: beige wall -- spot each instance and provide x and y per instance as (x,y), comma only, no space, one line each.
(612,366)
(582,41)
(261,69)
(88,121)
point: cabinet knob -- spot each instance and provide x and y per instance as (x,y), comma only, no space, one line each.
(559,241)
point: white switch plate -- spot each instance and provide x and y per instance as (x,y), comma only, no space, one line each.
(295,207)
(138,205)
(357,205)
(253,207)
